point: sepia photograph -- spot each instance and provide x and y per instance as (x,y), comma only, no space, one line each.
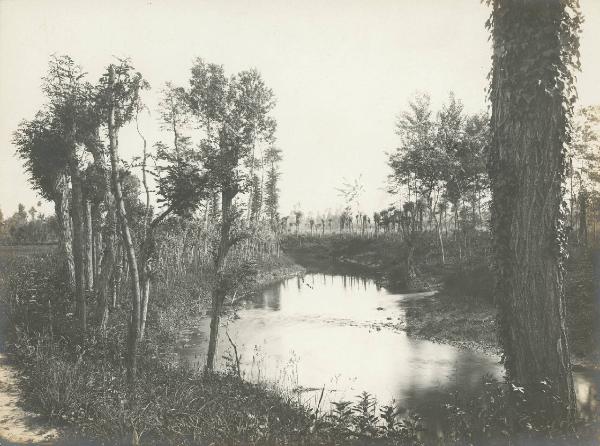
(271,222)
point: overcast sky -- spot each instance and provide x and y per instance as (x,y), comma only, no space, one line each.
(341,71)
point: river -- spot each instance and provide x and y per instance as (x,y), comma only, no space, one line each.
(338,335)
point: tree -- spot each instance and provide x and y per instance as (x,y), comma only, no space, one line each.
(42,148)
(297,218)
(421,163)
(72,109)
(273,157)
(535,52)
(118,98)
(182,184)
(234,112)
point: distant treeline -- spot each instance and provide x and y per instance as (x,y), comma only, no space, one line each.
(27,227)
(439,181)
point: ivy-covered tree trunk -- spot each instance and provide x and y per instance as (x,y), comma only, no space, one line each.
(535,47)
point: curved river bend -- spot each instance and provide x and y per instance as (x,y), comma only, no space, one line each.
(339,333)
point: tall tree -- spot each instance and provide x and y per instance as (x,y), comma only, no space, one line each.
(118,98)
(71,104)
(273,157)
(532,93)
(181,180)
(235,113)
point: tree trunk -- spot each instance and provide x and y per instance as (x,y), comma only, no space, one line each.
(583,232)
(147,253)
(88,244)
(104,221)
(441,240)
(61,209)
(218,298)
(218,293)
(106,278)
(77,216)
(134,324)
(527,170)
(118,272)
(145,276)
(98,251)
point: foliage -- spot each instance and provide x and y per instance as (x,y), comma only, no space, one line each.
(439,159)
(505,413)
(42,148)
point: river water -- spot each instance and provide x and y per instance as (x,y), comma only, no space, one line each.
(338,335)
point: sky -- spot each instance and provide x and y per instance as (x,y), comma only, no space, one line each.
(341,71)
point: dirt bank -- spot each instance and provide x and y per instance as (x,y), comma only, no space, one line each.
(17,425)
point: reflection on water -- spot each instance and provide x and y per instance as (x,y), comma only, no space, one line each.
(587,383)
(339,332)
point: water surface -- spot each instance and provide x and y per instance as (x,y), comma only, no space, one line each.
(341,333)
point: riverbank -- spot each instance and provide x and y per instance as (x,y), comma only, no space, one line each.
(82,386)
(461,312)
(79,386)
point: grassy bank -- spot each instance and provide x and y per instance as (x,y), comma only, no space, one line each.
(80,385)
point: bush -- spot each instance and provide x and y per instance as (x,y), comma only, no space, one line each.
(505,413)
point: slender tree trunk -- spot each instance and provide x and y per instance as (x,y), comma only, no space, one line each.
(147,258)
(134,325)
(218,294)
(218,297)
(145,277)
(77,216)
(440,239)
(527,170)
(118,270)
(97,229)
(88,244)
(61,209)
(147,254)
(106,279)
(583,232)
